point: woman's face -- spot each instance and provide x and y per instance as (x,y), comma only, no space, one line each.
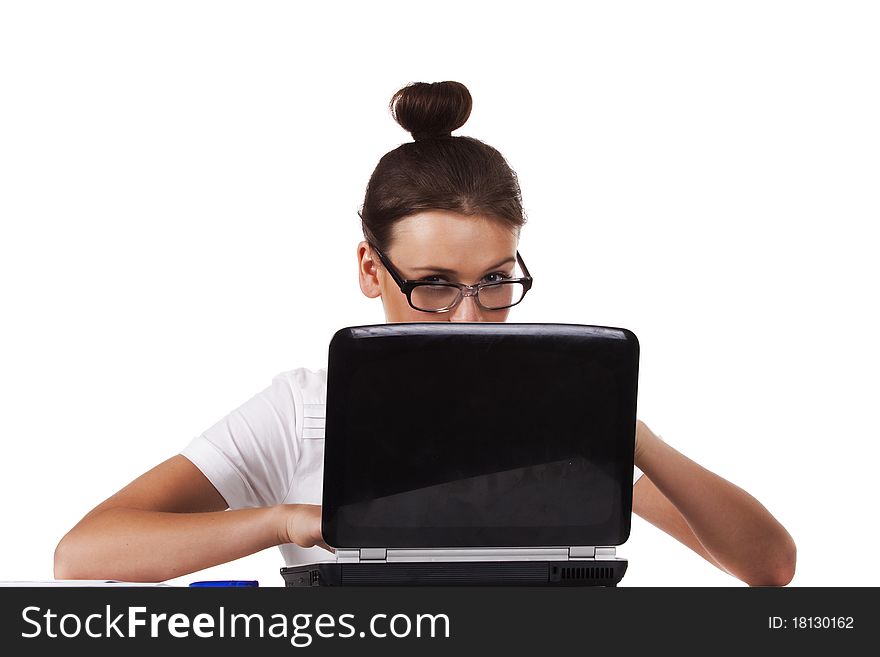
(449,246)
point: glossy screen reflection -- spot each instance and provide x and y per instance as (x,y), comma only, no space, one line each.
(511,498)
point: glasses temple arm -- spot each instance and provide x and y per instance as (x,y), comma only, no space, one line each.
(523,265)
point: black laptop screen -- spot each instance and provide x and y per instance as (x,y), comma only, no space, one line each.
(454,434)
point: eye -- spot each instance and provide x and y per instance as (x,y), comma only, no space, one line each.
(498,276)
(433,279)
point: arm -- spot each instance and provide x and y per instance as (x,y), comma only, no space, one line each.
(718,520)
(171,521)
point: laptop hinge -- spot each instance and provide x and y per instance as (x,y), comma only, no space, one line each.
(373,555)
(591,552)
(581,552)
(359,555)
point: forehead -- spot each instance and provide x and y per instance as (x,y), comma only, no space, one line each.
(451,240)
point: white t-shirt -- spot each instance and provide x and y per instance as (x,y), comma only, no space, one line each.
(270,450)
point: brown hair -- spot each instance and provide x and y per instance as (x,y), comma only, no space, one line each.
(438,171)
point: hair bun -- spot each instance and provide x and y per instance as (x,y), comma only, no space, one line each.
(430,110)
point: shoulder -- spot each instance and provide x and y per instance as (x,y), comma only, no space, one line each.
(304,377)
(306,385)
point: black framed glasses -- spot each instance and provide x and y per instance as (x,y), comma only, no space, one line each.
(439,297)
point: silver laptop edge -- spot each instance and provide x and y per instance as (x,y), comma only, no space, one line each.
(385,555)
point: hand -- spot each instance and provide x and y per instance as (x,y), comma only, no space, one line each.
(303,525)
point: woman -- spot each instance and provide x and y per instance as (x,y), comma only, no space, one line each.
(443,209)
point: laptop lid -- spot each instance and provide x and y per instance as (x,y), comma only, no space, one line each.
(447,434)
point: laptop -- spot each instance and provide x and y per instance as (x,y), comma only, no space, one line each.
(477,454)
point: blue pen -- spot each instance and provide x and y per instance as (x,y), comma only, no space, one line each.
(226,582)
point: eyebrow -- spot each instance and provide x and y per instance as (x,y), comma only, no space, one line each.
(441,270)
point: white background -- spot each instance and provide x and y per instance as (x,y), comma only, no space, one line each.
(179,184)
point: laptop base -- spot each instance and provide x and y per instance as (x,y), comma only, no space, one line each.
(469,573)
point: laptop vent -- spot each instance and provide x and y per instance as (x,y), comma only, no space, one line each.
(576,573)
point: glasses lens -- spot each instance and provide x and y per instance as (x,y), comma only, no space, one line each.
(501,295)
(433,297)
